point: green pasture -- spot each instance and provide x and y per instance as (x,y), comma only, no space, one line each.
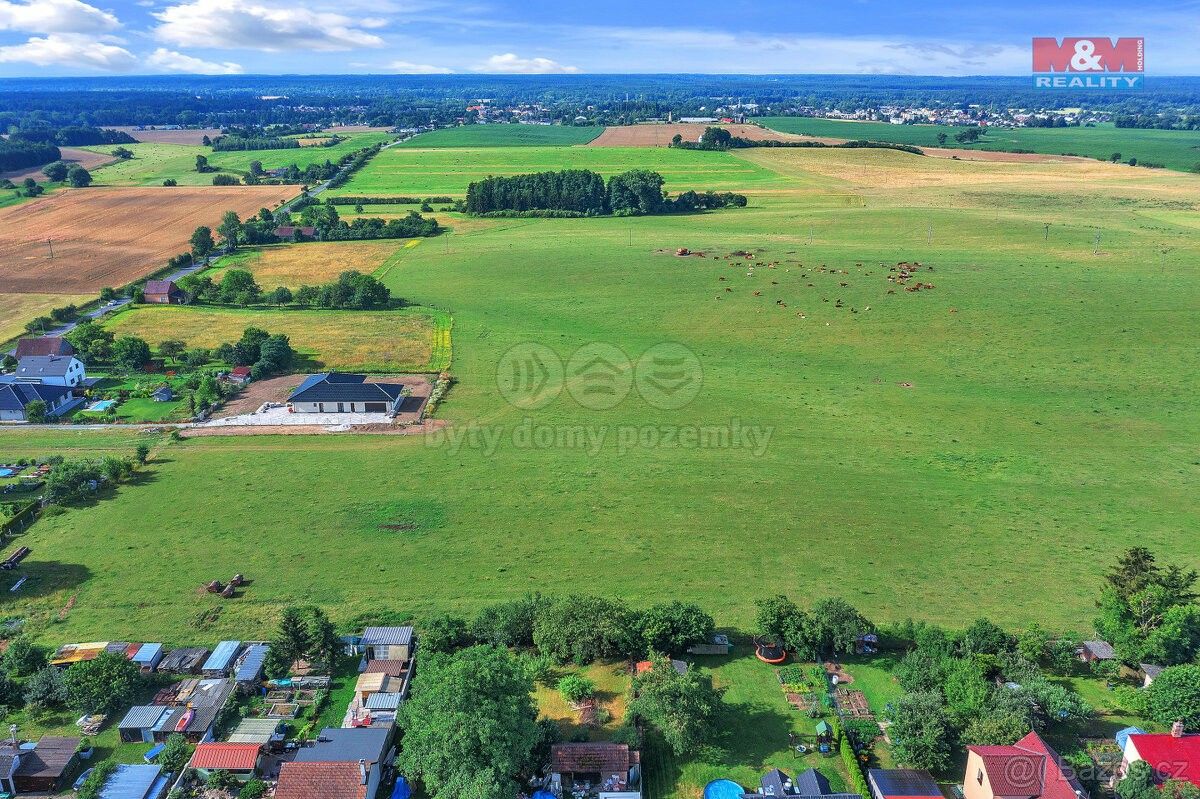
(1174,149)
(505,136)
(448,171)
(984,447)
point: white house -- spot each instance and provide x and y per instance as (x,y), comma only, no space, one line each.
(50,370)
(342,393)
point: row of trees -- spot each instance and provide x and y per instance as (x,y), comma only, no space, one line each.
(225,144)
(71,136)
(576,628)
(352,291)
(581,192)
(720,139)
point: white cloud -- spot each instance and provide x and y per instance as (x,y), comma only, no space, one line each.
(247,24)
(70,50)
(409,68)
(55,16)
(512,63)
(171,61)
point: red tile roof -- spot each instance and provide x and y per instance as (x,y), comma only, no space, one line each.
(1172,758)
(320,781)
(588,758)
(44,345)
(1028,770)
(232,757)
(392,668)
(240,371)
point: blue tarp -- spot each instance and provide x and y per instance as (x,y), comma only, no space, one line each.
(1123,736)
(153,753)
(401,791)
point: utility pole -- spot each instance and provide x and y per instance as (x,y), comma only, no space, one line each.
(50,242)
(1046,232)
(1097,250)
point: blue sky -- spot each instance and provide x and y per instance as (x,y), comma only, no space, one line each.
(934,37)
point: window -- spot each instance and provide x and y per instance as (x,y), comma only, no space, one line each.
(341,407)
(979,776)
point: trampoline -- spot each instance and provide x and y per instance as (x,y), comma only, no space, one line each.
(773,653)
(723,789)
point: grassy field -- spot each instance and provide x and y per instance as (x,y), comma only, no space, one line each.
(1174,149)
(311,263)
(984,447)
(423,172)
(504,136)
(154,162)
(17,309)
(374,341)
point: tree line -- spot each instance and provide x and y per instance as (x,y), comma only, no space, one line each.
(720,139)
(351,291)
(581,192)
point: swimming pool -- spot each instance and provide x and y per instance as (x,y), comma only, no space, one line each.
(723,789)
(101,405)
(6,472)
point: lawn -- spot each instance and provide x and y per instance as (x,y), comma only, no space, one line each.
(1175,149)
(311,263)
(424,172)
(935,454)
(505,136)
(612,687)
(403,340)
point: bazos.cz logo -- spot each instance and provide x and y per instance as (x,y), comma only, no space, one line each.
(1089,62)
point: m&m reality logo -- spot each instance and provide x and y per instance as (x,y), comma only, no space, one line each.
(1088,62)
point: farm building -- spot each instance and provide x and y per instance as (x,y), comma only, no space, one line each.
(1174,755)
(343,780)
(50,370)
(135,782)
(183,661)
(369,746)
(43,345)
(15,398)
(162,292)
(46,768)
(143,723)
(334,392)
(220,662)
(239,759)
(902,783)
(386,643)
(267,733)
(1091,651)
(148,656)
(614,767)
(1028,768)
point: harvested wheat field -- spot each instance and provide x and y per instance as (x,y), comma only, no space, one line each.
(310,263)
(109,237)
(171,136)
(651,135)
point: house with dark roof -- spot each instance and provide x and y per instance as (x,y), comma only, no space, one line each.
(1029,769)
(162,292)
(43,345)
(48,767)
(16,396)
(1091,651)
(368,747)
(322,781)
(50,370)
(334,392)
(607,767)
(902,783)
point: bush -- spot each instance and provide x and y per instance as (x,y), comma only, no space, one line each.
(575,688)
(95,781)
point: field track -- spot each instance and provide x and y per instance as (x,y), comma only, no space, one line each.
(661,135)
(109,237)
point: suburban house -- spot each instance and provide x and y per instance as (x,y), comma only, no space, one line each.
(896,783)
(142,723)
(240,760)
(386,643)
(334,392)
(368,749)
(44,768)
(43,345)
(50,370)
(610,770)
(1173,756)
(810,783)
(342,780)
(162,292)
(135,782)
(1028,769)
(15,397)
(1092,651)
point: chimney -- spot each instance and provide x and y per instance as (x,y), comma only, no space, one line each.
(362,770)
(1177,729)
